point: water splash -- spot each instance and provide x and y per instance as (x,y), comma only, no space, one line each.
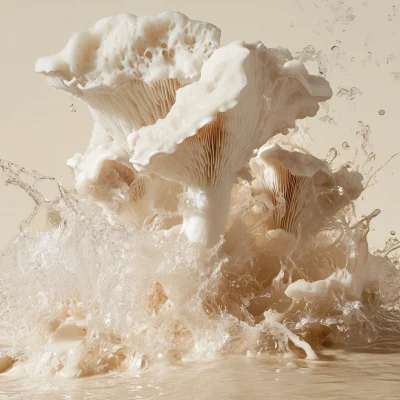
(332,154)
(349,94)
(86,297)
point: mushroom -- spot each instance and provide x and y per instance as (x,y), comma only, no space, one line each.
(303,196)
(246,94)
(127,69)
(285,182)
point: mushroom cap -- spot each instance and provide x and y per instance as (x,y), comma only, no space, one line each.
(222,80)
(125,47)
(128,68)
(290,157)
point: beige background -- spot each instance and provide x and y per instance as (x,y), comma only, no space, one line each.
(38,130)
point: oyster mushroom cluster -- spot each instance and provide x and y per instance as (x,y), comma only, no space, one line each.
(173,107)
(221,238)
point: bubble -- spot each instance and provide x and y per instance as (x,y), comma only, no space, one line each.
(381,112)
(345,146)
(392,233)
(72,108)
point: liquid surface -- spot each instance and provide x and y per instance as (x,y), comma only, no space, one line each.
(371,372)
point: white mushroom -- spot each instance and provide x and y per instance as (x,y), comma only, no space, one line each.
(299,189)
(284,181)
(246,94)
(127,69)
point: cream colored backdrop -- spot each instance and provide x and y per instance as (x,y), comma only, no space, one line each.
(361,40)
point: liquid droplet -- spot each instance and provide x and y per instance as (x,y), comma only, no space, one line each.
(335,49)
(392,233)
(345,146)
(325,106)
(342,92)
(292,24)
(72,108)
(391,58)
(389,17)
(371,157)
(327,118)
(338,42)
(381,112)
(332,154)
(349,94)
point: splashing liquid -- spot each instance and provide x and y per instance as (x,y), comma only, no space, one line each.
(85,297)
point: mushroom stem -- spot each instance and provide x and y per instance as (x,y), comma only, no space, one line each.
(206,218)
